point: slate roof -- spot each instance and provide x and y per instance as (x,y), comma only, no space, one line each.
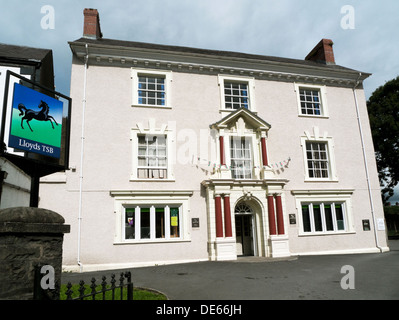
(208,52)
(22,53)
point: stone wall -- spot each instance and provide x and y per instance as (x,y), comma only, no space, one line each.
(28,237)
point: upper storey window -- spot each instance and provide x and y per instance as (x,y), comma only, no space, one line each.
(317,160)
(152,157)
(236,93)
(241,157)
(151,88)
(312,100)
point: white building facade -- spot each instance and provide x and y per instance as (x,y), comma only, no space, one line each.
(181,154)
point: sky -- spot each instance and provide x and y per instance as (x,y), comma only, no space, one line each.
(365,37)
(365,32)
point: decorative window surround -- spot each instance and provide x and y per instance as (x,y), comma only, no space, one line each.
(332,176)
(242,123)
(151,199)
(341,196)
(250,82)
(254,156)
(152,130)
(322,95)
(166,75)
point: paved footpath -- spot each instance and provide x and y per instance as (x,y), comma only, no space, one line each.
(375,276)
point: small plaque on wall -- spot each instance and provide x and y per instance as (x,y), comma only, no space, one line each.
(195,222)
(366,225)
(380,224)
(292,218)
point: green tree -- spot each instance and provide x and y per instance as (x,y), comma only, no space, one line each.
(383,108)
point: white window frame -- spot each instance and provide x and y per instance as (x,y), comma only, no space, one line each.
(140,130)
(323,163)
(255,153)
(322,95)
(332,174)
(323,197)
(323,217)
(151,199)
(250,158)
(157,157)
(167,75)
(251,91)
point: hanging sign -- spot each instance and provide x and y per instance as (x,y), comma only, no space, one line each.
(36,122)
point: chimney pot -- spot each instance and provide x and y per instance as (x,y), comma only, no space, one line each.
(323,52)
(91,27)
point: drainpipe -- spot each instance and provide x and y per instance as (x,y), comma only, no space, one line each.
(365,163)
(86,60)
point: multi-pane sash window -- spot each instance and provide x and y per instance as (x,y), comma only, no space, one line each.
(236,95)
(152,157)
(151,90)
(152,222)
(310,101)
(323,217)
(241,159)
(317,159)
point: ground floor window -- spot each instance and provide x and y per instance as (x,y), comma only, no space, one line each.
(158,222)
(323,217)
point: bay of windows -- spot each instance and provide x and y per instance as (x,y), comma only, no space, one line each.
(323,217)
(160,222)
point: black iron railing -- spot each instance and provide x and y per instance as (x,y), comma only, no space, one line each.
(84,292)
(115,290)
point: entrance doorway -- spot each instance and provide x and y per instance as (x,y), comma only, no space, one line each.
(245,227)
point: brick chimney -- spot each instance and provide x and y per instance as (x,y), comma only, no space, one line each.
(91,27)
(322,52)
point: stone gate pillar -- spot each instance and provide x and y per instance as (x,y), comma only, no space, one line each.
(28,237)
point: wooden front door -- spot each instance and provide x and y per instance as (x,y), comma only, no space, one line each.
(244,236)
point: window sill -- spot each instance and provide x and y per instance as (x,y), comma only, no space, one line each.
(233,110)
(150,106)
(149,241)
(151,180)
(59,177)
(321,180)
(313,116)
(332,233)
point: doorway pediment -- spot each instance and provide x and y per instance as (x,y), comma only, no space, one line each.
(240,120)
